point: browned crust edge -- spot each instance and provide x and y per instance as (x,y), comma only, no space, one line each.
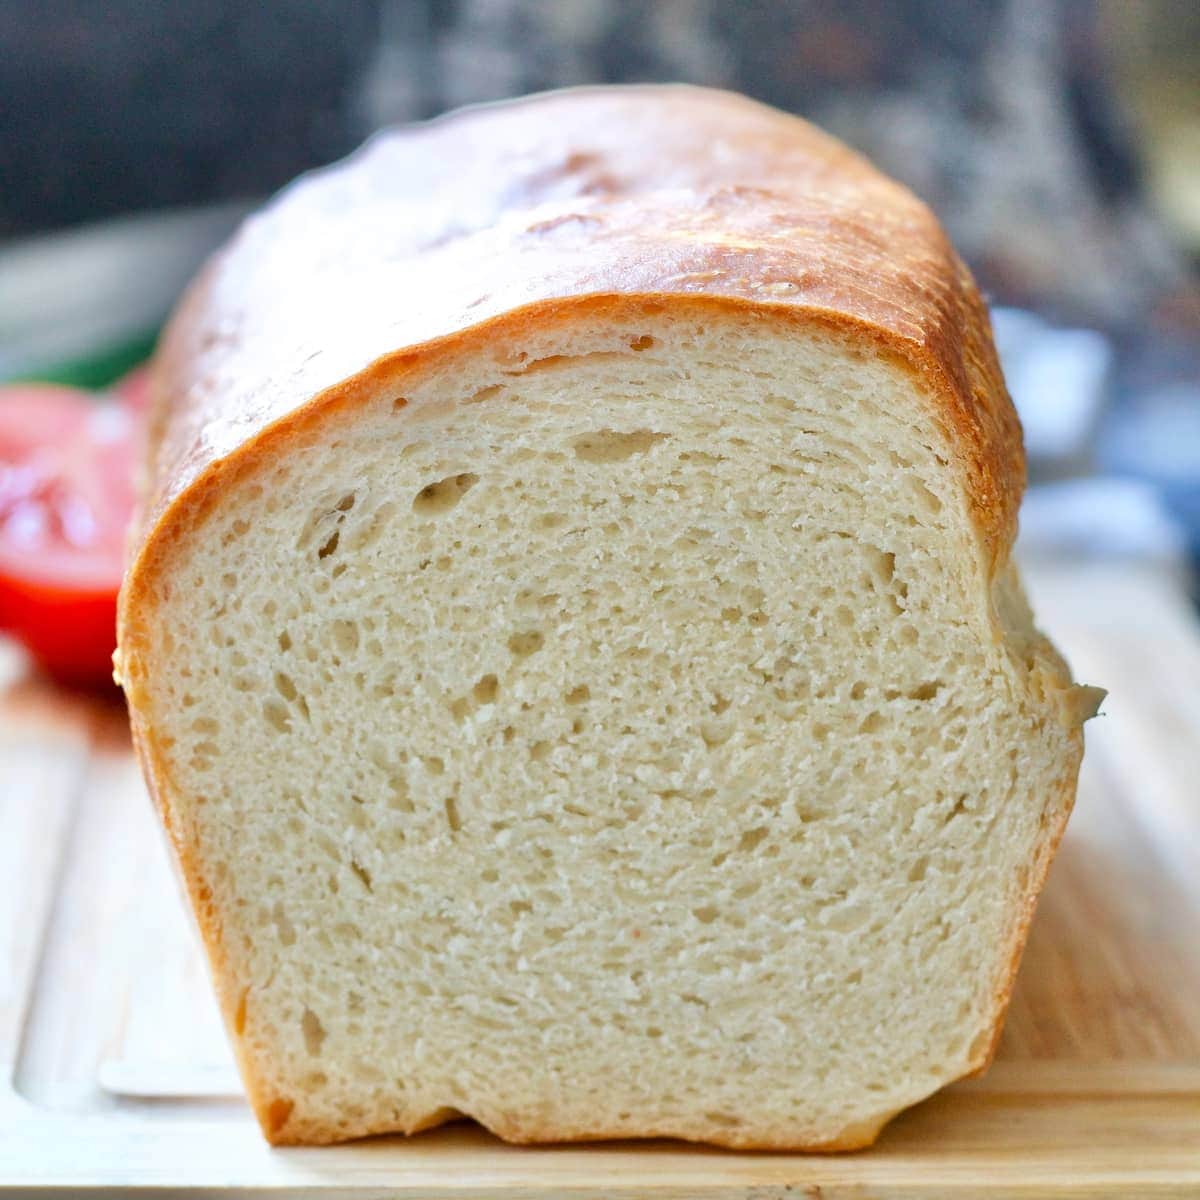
(781,206)
(1047,851)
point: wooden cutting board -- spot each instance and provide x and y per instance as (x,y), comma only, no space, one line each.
(114,1073)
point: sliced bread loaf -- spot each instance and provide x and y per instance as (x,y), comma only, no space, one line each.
(572,641)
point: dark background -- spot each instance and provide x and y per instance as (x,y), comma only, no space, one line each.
(1016,119)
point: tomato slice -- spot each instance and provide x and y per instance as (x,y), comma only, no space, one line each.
(66,497)
(133,388)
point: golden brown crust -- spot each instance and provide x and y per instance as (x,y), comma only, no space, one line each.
(623,192)
(434,239)
(280,1131)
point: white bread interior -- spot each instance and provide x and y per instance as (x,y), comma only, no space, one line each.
(614,728)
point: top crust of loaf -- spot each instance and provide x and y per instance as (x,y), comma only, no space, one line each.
(524,211)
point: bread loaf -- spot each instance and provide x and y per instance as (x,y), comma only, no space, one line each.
(571,638)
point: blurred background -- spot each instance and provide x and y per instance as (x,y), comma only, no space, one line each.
(1059,141)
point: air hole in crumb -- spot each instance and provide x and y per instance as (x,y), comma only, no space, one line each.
(399,799)
(283,924)
(725,1119)
(284,686)
(846,918)
(434,765)
(642,343)
(883,565)
(485,393)
(285,641)
(714,733)
(926,691)
(539,751)
(706,914)
(277,716)
(527,643)
(752,838)
(313,1030)
(364,876)
(579,695)
(926,499)
(440,497)
(486,690)
(330,546)
(399,403)
(872,723)
(918,870)
(452,817)
(858,691)
(612,446)
(204,751)
(345,636)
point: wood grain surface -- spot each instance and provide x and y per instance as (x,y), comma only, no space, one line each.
(115,1077)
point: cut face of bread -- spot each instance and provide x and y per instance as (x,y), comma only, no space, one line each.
(611,733)
(572,642)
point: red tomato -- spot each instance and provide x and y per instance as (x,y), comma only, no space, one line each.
(134,388)
(66,497)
